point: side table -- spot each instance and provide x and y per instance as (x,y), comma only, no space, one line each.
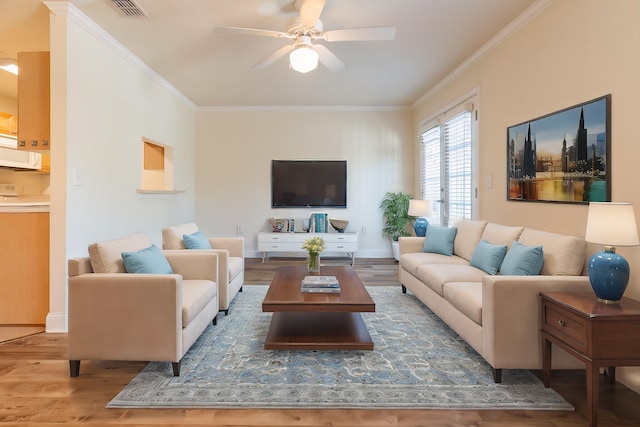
(601,335)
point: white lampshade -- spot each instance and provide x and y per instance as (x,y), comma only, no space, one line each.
(303,59)
(419,208)
(612,224)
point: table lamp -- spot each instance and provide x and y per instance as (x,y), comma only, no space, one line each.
(610,224)
(420,209)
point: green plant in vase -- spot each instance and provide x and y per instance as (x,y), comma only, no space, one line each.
(314,246)
(395,208)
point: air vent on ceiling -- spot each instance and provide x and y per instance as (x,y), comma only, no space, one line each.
(129,8)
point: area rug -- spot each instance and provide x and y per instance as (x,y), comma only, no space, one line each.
(417,362)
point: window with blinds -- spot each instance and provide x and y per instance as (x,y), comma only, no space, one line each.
(446,167)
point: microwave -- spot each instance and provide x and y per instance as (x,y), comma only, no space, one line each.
(11,157)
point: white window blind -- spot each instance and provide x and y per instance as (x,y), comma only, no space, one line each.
(431,171)
(446,167)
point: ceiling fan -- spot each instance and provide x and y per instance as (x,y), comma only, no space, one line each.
(303,31)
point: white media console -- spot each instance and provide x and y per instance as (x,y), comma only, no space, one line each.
(292,242)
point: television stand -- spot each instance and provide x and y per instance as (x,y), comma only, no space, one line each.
(292,242)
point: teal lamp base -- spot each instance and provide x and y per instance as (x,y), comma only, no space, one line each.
(609,275)
(420,226)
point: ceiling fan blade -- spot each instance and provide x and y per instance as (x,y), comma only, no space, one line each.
(251,32)
(332,62)
(273,57)
(360,34)
(310,11)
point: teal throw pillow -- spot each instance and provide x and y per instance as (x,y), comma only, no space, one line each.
(439,240)
(488,257)
(196,240)
(150,260)
(522,260)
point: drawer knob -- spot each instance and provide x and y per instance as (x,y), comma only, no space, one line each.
(562,322)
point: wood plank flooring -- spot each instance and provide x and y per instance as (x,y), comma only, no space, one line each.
(36,390)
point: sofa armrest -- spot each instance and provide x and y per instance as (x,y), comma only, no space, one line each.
(147,306)
(511,316)
(235,245)
(194,264)
(410,244)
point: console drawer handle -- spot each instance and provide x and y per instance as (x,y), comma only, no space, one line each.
(562,322)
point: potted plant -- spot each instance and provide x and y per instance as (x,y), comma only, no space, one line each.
(396,219)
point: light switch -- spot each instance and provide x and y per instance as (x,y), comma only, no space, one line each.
(489,181)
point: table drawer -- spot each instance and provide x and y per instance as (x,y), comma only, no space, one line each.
(565,325)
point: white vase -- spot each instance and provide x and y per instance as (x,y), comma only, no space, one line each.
(395,248)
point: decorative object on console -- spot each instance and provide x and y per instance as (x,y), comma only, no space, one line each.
(314,246)
(340,225)
(420,209)
(277,224)
(610,224)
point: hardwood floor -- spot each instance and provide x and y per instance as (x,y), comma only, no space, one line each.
(35,389)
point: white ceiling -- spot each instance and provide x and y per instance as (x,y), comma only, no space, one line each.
(177,41)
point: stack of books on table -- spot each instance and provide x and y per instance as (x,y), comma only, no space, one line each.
(320,284)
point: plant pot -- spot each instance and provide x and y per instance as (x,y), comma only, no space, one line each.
(395,248)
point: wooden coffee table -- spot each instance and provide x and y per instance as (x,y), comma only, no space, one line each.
(317,321)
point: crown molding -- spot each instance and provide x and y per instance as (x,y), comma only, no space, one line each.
(64,8)
(354,108)
(519,22)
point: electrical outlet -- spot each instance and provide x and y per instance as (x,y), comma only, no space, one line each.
(489,181)
(239,229)
(364,229)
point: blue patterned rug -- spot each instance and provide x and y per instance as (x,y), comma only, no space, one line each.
(417,362)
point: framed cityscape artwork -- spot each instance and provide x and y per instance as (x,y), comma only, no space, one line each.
(563,156)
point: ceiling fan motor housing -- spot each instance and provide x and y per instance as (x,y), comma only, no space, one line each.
(296,29)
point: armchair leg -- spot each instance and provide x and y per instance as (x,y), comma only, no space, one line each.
(74,368)
(240,288)
(404,289)
(226,312)
(215,320)
(176,368)
(497,375)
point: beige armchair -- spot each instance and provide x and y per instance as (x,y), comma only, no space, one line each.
(230,252)
(114,315)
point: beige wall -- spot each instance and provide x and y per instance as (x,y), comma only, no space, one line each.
(104,101)
(573,52)
(233,166)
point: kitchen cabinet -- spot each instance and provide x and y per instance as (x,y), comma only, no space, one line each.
(33,101)
(8,124)
(24,268)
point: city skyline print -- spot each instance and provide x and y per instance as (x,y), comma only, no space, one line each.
(563,156)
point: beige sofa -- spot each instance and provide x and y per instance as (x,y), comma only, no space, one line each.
(498,315)
(230,252)
(114,315)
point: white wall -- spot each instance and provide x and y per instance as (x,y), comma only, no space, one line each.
(233,166)
(575,51)
(103,103)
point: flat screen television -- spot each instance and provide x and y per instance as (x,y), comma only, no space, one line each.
(308,183)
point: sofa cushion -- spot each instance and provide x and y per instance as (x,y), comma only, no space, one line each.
(436,275)
(106,257)
(522,260)
(466,297)
(467,238)
(501,234)
(196,240)
(196,294)
(234,266)
(564,255)
(412,260)
(172,237)
(488,256)
(146,261)
(439,240)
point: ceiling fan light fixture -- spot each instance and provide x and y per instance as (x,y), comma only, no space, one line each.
(303,59)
